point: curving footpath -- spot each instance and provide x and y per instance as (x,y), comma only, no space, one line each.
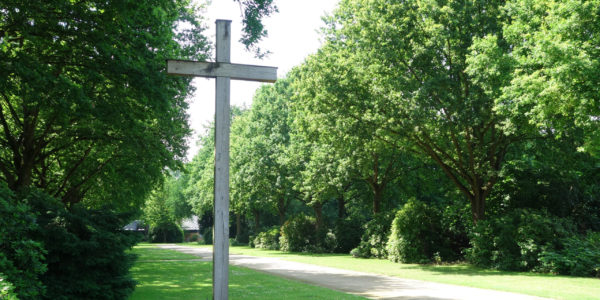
(363,284)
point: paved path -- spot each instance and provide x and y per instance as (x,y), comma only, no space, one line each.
(364,284)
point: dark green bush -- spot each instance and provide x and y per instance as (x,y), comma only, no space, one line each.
(7,290)
(514,241)
(21,258)
(579,257)
(375,236)
(416,234)
(167,232)
(267,239)
(87,256)
(298,234)
(207,236)
(347,234)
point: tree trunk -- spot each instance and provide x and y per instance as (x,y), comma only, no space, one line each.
(341,207)
(238,227)
(478,204)
(281,210)
(318,207)
(256,214)
(377,195)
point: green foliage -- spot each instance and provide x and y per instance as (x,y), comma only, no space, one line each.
(207,236)
(416,234)
(347,233)
(21,257)
(88,113)
(86,248)
(168,232)
(374,239)
(516,240)
(298,234)
(267,239)
(7,289)
(579,257)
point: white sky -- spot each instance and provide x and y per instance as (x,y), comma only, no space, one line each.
(293,35)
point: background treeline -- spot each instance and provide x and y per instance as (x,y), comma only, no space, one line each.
(89,122)
(425,131)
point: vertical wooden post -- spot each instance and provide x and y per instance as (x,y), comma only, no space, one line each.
(221,188)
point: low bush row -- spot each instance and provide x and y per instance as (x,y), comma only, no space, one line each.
(518,240)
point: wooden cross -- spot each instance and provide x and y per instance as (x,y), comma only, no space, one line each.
(223,70)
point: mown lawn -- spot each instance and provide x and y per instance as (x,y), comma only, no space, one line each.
(167,274)
(542,285)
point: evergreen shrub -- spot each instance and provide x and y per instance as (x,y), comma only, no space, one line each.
(87,250)
(515,240)
(298,234)
(416,234)
(347,234)
(21,258)
(580,256)
(267,239)
(207,236)
(166,232)
(375,235)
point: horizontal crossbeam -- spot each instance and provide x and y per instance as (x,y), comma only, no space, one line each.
(220,69)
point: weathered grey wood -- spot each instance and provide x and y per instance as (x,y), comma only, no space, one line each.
(216,69)
(223,71)
(221,204)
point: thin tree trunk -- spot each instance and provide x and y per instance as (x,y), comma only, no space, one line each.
(318,208)
(341,207)
(377,195)
(256,214)
(238,227)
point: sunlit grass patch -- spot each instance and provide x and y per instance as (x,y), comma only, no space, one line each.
(162,275)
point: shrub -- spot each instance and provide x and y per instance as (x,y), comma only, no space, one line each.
(267,239)
(87,256)
(207,236)
(166,232)
(21,258)
(579,257)
(347,234)
(515,240)
(374,238)
(416,234)
(7,289)
(298,234)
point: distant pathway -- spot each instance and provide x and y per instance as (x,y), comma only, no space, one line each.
(363,284)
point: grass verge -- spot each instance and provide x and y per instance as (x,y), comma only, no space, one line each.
(167,274)
(542,285)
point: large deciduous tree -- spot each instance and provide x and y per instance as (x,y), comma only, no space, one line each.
(401,68)
(86,109)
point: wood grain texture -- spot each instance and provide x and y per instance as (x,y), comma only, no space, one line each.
(220,69)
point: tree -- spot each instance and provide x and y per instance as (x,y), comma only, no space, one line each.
(87,111)
(261,171)
(400,68)
(550,57)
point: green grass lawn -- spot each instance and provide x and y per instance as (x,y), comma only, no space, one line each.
(167,274)
(543,285)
